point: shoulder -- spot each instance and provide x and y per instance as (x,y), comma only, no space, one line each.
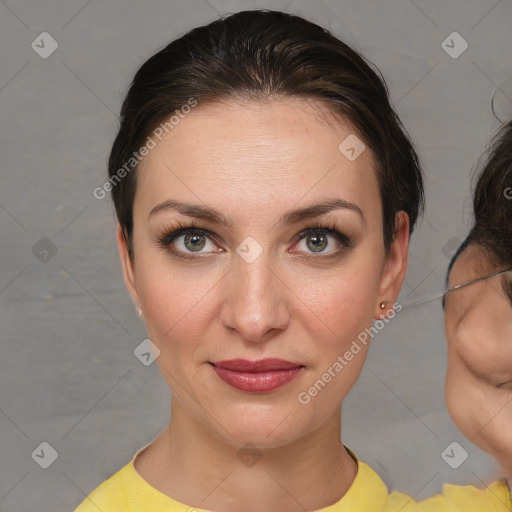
(109,496)
(465,498)
(455,498)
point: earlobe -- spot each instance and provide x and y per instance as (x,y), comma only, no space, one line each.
(127,267)
(382,310)
(395,267)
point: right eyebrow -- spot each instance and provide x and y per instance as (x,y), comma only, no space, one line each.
(191,210)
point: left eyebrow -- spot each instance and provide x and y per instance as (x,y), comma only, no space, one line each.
(315,210)
(291,217)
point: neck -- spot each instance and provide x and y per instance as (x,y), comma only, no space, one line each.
(195,466)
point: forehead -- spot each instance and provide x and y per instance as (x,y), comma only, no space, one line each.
(254,154)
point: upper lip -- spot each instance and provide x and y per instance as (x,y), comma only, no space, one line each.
(263,365)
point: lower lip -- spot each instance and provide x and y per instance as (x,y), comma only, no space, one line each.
(257,382)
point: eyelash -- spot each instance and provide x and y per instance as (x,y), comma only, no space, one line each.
(179,229)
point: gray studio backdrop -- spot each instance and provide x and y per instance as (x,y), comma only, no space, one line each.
(75,401)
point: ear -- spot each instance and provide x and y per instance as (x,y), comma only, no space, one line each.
(128,266)
(395,267)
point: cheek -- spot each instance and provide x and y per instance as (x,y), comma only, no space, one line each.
(468,399)
(456,401)
(484,345)
(340,303)
(171,292)
(339,332)
(178,309)
(481,412)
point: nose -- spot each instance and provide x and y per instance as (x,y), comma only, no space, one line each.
(255,304)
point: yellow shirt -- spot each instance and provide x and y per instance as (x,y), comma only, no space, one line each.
(127,491)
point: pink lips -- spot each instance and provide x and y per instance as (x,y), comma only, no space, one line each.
(256,376)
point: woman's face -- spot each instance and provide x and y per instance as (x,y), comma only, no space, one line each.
(251,282)
(478,322)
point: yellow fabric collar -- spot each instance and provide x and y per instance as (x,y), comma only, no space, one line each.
(367,493)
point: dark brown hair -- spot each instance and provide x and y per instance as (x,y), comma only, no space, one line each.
(262,55)
(492,206)
(492,201)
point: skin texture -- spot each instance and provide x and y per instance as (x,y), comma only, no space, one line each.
(253,162)
(478,323)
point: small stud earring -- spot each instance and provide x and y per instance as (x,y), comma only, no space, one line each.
(139,312)
(383,305)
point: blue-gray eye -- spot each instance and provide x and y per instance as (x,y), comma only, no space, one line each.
(194,242)
(317,242)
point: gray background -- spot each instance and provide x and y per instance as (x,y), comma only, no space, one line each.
(68,375)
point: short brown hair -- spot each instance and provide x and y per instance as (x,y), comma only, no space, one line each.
(492,202)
